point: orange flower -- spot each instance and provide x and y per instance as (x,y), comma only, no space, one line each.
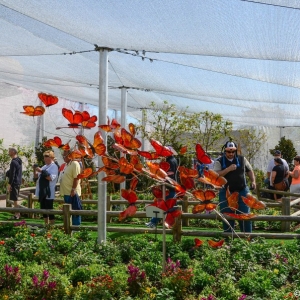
(32,234)
(2,242)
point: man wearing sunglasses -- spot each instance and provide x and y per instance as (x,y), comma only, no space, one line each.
(234,167)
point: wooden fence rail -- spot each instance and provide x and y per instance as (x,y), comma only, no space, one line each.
(286,218)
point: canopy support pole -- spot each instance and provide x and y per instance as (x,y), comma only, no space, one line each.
(103,107)
(123,117)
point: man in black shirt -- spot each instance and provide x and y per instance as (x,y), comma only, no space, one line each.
(14,178)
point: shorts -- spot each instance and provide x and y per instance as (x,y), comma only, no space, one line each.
(14,193)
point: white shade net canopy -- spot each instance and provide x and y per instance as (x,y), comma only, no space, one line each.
(237,58)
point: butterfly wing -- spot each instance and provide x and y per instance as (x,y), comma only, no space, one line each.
(114,178)
(214,244)
(85,173)
(204,195)
(240,216)
(202,155)
(198,243)
(128,212)
(183,150)
(148,155)
(253,203)
(232,199)
(125,166)
(129,141)
(109,163)
(129,195)
(98,145)
(48,99)
(160,149)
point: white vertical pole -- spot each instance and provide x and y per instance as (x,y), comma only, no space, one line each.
(164,231)
(123,116)
(81,108)
(143,124)
(103,107)
(43,123)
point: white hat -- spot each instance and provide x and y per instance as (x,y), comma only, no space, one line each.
(230,146)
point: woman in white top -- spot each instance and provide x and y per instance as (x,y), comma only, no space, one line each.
(45,186)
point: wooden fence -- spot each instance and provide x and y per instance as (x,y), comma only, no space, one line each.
(285,218)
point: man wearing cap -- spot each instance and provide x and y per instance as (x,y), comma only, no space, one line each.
(271,165)
(234,167)
(14,178)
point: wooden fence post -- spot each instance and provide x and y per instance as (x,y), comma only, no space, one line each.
(108,208)
(285,211)
(67,217)
(185,209)
(30,205)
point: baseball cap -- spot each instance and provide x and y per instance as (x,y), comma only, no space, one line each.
(277,152)
(230,146)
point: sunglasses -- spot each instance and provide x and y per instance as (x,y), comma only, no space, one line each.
(46,156)
(230,151)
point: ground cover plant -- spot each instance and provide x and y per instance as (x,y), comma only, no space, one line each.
(48,264)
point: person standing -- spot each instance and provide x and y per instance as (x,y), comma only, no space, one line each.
(277,176)
(234,168)
(69,183)
(271,165)
(45,186)
(14,178)
(295,174)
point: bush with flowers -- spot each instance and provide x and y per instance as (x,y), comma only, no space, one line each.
(52,265)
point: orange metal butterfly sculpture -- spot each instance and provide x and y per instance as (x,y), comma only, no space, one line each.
(131,197)
(202,156)
(88,121)
(169,209)
(205,196)
(74,118)
(33,111)
(198,243)
(126,142)
(56,142)
(213,178)
(109,127)
(215,244)
(48,99)
(187,177)
(240,216)
(160,151)
(253,202)
(232,199)
(86,148)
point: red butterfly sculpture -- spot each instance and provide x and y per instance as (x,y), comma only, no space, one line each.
(205,196)
(135,160)
(240,216)
(48,99)
(131,197)
(213,178)
(33,111)
(86,148)
(232,199)
(198,243)
(202,156)
(183,150)
(85,173)
(114,125)
(74,118)
(155,171)
(214,244)
(252,202)
(160,149)
(56,142)
(88,121)
(170,210)
(187,176)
